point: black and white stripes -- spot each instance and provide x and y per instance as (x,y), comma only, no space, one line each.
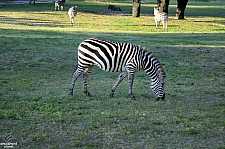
(160,16)
(72,12)
(118,57)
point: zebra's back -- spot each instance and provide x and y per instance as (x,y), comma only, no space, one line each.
(107,55)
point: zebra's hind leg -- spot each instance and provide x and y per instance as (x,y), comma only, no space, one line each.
(120,79)
(166,24)
(130,82)
(85,77)
(74,75)
(163,24)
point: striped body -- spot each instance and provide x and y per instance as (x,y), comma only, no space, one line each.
(160,17)
(108,56)
(118,57)
(72,13)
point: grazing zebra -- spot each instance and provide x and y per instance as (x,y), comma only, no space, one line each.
(72,12)
(118,57)
(163,16)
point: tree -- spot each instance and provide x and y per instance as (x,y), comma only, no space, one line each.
(181,5)
(163,5)
(136,8)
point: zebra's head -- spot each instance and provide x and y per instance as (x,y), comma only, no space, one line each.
(156,11)
(157,84)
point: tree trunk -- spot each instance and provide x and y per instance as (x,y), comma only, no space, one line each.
(163,5)
(181,5)
(136,8)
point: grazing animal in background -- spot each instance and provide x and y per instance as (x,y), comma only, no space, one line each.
(118,57)
(72,12)
(160,17)
(2,6)
(59,5)
(31,1)
(114,8)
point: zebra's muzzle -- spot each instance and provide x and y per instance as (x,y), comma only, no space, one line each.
(163,97)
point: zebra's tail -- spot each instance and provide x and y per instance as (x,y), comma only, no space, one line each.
(71,75)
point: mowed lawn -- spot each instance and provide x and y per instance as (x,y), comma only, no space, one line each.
(38,49)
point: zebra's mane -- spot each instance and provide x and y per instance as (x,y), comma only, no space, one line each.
(160,69)
(113,42)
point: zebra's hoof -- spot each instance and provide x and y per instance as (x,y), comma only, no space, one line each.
(88,94)
(133,97)
(111,96)
(70,94)
(163,97)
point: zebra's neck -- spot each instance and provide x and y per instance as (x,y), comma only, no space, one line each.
(151,64)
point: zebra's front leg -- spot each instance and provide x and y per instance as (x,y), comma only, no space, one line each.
(130,82)
(157,23)
(71,21)
(120,79)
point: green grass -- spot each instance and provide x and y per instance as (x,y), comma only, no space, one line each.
(39,51)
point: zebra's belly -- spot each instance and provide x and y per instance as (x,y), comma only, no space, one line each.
(112,69)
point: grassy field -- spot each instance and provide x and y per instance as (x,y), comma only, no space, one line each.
(39,51)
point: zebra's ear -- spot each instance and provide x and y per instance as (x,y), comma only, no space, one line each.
(161,73)
(144,48)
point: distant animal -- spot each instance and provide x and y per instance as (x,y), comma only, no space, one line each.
(2,6)
(31,1)
(160,16)
(118,57)
(114,8)
(59,5)
(72,12)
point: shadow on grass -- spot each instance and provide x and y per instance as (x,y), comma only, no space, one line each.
(193,9)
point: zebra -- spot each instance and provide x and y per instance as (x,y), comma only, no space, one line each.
(118,57)
(163,16)
(72,12)
(59,5)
